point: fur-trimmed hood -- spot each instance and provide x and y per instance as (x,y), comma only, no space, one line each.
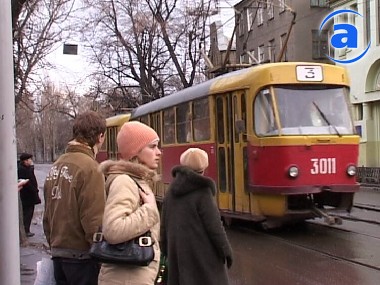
(131,168)
(187,180)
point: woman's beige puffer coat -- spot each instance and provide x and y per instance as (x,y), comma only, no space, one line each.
(124,219)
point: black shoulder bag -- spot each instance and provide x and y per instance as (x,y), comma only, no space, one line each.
(138,251)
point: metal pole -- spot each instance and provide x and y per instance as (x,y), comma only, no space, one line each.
(9,228)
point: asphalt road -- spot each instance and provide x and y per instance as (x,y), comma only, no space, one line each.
(269,259)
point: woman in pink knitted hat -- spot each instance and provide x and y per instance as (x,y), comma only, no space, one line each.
(130,211)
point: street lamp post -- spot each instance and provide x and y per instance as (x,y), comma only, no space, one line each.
(9,224)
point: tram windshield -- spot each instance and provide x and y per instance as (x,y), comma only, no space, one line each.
(303,110)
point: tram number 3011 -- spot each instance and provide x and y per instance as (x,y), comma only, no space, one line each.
(323,165)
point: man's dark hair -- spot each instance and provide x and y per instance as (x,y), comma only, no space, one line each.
(88,126)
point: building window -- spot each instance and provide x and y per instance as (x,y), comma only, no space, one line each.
(260,20)
(271,51)
(377,82)
(367,21)
(240,23)
(378,21)
(241,58)
(251,57)
(250,17)
(261,54)
(270,8)
(319,3)
(320,44)
(282,5)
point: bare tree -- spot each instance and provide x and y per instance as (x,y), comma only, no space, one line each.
(51,125)
(37,26)
(152,44)
(188,22)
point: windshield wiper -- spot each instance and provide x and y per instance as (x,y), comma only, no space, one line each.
(323,116)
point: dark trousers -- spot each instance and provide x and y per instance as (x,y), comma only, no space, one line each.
(27,214)
(69,271)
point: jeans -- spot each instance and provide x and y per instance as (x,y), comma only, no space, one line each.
(68,271)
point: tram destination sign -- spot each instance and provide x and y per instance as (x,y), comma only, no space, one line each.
(309,73)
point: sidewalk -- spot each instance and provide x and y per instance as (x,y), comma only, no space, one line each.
(37,247)
(34,251)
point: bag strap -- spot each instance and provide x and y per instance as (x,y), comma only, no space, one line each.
(110,178)
(138,185)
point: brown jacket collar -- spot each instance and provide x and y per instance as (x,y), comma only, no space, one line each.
(74,146)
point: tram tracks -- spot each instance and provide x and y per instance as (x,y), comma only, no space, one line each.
(329,254)
(368,210)
(336,243)
(357,219)
(366,207)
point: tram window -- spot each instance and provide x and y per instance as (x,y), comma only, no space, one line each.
(220,119)
(201,120)
(169,124)
(183,123)
(263,117)
(111,142)
(313,110)
(244,115)
(105,143)
(109,139)
(145,120)
(243,127)
(236,133)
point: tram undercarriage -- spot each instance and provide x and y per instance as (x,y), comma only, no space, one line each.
(298,208)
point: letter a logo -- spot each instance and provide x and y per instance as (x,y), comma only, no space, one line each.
(349,38)
(345,36)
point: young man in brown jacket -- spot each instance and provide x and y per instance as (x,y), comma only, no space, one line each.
(74,203)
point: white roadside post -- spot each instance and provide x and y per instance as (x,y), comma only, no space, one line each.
(9,224)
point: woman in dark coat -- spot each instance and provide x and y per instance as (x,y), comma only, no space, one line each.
(192,236)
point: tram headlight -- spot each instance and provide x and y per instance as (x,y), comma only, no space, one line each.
(351,170)
(293,171)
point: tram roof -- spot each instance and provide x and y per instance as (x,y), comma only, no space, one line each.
(117,120)
(203,89)
(193,92)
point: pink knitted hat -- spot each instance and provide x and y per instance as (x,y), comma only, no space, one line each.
(133,137)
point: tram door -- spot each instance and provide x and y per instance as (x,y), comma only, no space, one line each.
(111,142)
(231,151)
(155,123)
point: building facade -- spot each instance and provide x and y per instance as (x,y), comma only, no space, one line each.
(289,30)
(281,30)
(222,54)
(364,74)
